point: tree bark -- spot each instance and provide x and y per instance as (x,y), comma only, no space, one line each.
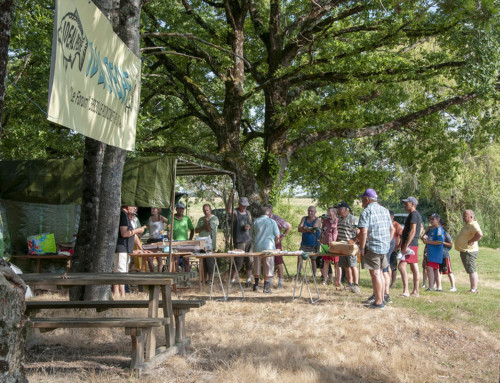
(12,290)
(87,229)
(6,8)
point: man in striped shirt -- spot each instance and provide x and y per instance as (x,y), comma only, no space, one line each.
(347,231)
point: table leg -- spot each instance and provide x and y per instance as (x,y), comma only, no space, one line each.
(168,312)
(38,266)
(202,273)
(154,297)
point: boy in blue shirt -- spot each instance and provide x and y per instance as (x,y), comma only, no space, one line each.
(434,241)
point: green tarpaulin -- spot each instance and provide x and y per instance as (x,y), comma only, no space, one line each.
(147,181)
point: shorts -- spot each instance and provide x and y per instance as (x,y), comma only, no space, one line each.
(309,249)
(411,258)
(446,266)
(247,247)
(266,262)
(324,249)
(469,260)
(278,260)
(120,263)
(348,261)
(372,261)
(433,265)
(394,261)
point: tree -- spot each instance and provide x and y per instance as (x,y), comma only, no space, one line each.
(248,84)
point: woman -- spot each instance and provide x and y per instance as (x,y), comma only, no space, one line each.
(155,225)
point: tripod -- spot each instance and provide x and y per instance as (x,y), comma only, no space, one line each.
(306,257)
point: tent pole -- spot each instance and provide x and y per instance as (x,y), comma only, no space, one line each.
(170,261)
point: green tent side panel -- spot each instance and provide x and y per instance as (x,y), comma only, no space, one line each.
(147,181)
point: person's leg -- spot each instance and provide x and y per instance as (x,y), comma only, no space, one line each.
(430,276)
(348,271)
(159,261)
(256,272)
(437,278)
(451,277)
(473,277)
(387,280)
(209,267)
(355,275)
(404,277)
(425,275)
(324,270)
(313,266)
(186,263)
(414,270)
(378,288)
(238,264)
(338,274)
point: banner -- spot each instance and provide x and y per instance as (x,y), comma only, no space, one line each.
(94,77)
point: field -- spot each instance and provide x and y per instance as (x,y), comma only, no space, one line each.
(438,337)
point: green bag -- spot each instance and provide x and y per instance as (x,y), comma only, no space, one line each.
(42,244)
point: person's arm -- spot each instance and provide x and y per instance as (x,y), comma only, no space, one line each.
(138,244)
(411,235)
(361,237)
(249,224)
(126,233)
(302,228)
(447,241)
(199,227)
(392,232)
(191,229)
(476,237)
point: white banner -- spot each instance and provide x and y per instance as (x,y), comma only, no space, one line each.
(94,76)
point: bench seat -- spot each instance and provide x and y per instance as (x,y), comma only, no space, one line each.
(100,305)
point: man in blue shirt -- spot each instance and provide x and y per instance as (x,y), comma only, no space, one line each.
(264,232)
(376,232)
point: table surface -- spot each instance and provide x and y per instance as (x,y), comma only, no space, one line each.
(79,279)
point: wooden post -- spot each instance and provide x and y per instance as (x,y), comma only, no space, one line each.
(171,263)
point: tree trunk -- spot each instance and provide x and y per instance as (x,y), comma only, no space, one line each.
(126,25)
(12,290)
(5,26)
(87,229)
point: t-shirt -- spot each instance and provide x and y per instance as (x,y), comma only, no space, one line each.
(214,223)
(346,228)
(465,235)
(377,222)
(181,228)
(329,230)
(124,245)
(446,250)
(264,231)
(416,218)
(435,252)
(241,235)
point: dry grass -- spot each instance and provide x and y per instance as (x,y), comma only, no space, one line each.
(269,338)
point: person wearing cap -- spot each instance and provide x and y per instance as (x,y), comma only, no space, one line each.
(347,228)
(375,235)
(309,226)
(434,242)
(329,234)
(466,243)
(207,227)
(242,222)
(445,268)
(284,228)
(182,224)
(409,240)
(264,232)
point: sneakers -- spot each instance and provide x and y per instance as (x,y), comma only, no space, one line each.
(472,291)
(430,289)
(255,288)
(355,288)
(347,287)
(280,286)
(248,284)
(267,287)
(453,289)
(375,306)
(370,300)
(387,299)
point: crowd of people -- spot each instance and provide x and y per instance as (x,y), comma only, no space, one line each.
(385,247)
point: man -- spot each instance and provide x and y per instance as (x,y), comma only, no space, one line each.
(374,237)
(265,233)
(284,228)
(124,246)
(309,226)
(182,224)
(409,241)
(347,232)
(207,227)
(329,234)
(466,244)
(393,262)
(242,222)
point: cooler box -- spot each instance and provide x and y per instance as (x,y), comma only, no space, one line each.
(343,248)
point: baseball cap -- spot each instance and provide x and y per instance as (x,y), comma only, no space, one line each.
(412,200)
(370,193)
(181,205)
(244,201)
(343,204)
(435,215)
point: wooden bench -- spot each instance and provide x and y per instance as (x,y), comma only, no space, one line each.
(139,330)
(180,309)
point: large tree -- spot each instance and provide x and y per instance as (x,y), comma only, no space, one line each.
(246,84)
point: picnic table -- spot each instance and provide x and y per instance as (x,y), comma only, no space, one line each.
(144,352)
(42,257)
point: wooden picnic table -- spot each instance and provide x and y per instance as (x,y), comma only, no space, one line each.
(42,257)
(158,283)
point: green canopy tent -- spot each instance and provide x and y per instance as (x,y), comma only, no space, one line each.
(38,196)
